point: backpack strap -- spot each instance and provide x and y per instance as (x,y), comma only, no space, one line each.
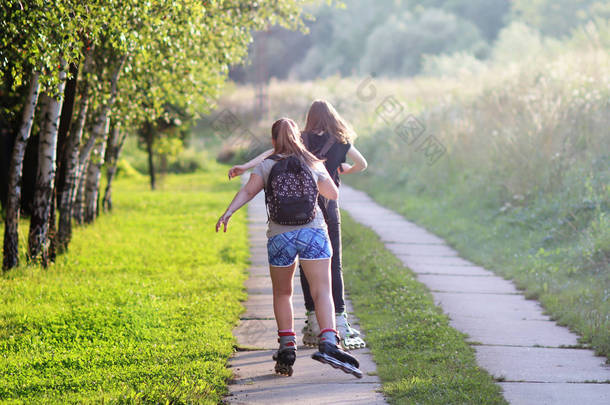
(275,158)
(329,144)
(305,139)
(325,148)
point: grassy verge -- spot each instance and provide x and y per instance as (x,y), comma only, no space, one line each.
(420,358)
(555,246)
(140,309)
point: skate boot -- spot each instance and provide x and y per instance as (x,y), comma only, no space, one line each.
(286,354)
(311,330)
(330,353)
(350,337)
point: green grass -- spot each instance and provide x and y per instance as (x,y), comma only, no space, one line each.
(420,358)
(140,310)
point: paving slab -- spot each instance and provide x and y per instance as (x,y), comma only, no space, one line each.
(440,260)
(401,235)
(540,364)
(261,285)
(261,333)
(556,394)
(258,305)
(467,284)
(513,332)
(490,306)
(412,249)
(513,338)
(254,380)
(473,271)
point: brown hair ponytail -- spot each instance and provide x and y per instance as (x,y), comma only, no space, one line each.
(287,137)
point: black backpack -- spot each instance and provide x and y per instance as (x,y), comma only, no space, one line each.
(291,193)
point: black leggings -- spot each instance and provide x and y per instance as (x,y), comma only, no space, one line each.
(330,209)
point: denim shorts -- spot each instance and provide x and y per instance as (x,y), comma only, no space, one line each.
(307,243)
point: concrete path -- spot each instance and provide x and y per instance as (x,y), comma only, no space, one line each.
(254,381)
(513,339)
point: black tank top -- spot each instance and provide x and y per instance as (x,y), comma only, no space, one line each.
(334,157)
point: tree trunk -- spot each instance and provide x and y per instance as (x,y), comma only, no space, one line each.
(115,145)
(81,178)
(45,178)
(149,148)
(53,228)
(100,132)
(71,163)
(67,111)
(65,120)
(11,224)
(94,172)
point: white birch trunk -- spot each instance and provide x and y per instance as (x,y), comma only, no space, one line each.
(11,224)
(45,177)
(116,142)
(100,132)
(94,171)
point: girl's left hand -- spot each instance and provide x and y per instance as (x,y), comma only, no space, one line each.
(223,220)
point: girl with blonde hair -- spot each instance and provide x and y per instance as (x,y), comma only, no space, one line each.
(330,138)
(293,178)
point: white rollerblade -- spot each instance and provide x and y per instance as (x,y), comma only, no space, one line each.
(350,337)
(311,330)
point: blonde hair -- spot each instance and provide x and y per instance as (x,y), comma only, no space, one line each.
(322,117)
(285,133)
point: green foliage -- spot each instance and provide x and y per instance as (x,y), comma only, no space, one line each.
(172,56)
(128,316)
(396,47)
(420,358)
(488,15)
(126,170)
(518,41)
(384,37)
(559,17)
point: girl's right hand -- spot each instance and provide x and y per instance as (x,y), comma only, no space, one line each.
(237,170)
(223,220)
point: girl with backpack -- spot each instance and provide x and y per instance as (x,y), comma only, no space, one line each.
(293,178)
(329,138)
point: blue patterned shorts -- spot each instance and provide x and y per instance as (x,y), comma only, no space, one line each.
(307,243)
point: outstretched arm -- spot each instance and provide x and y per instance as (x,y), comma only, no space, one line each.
(247,192)
(360,163)
(238,170)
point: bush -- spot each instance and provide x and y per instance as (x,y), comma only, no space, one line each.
(454,65)
(189,160)
(126,170)
(397,47)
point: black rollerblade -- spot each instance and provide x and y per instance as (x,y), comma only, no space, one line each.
(284,360)
(286,355)
(331,354)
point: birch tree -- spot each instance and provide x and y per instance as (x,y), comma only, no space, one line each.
(71,157)
(11,224)
(45,178)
